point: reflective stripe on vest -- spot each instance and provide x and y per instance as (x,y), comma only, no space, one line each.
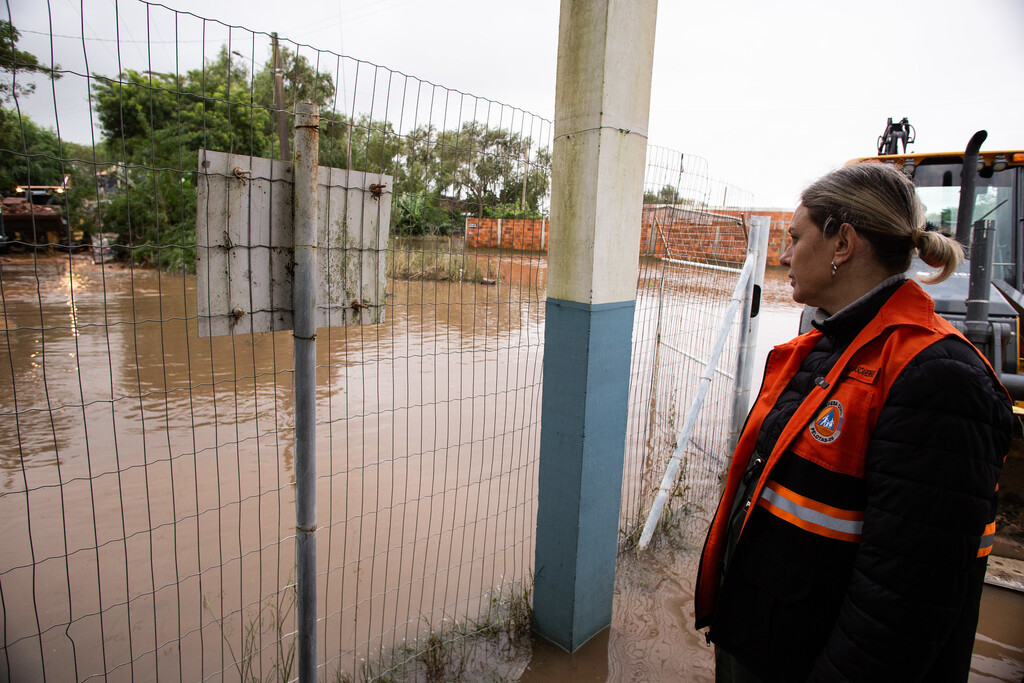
(811,515)
(987,539)
(905,325)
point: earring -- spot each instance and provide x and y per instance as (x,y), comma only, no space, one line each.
(833,269)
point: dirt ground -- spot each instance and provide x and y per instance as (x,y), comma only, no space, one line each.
(1010,517)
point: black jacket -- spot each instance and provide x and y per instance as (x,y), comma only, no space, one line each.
(901,605)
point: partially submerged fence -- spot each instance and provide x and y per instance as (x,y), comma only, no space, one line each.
(149,490)
(148,471)
(683,294)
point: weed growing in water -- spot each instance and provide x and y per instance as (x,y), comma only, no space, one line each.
(270,616)
(446,266)
(458,651)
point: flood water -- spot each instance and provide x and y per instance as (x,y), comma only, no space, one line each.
(146,484)
(146,474)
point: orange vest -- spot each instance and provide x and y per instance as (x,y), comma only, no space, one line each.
(831,428)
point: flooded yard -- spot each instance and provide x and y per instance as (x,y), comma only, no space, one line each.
(146,485)
(146,473)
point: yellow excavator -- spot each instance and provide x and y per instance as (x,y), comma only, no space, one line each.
(976,197)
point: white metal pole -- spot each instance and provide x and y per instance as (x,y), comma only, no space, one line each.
(668,482)
(757,244)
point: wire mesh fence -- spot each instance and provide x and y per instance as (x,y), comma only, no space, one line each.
(691,248)
(148,471)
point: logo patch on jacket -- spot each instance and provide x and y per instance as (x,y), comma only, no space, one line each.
(826,427)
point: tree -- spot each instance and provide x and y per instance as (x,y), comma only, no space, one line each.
(372,146)
(31,153)
(538,176)
(302,83)
(668,194)
(14,62)
(154,125)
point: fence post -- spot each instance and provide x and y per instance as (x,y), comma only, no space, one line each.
(282,113)
(307,134)
(757,244)
(602,103)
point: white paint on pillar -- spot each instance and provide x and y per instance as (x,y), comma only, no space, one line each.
(602,106)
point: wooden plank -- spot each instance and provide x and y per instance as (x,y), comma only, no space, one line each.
(244,245)
(353,246)
(211,254)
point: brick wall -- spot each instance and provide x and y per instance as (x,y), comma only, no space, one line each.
(507,233)
(718,236)
(777,235)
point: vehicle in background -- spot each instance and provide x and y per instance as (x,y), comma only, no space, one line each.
(977,198)
(33,218)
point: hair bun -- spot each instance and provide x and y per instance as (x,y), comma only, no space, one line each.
(916,236)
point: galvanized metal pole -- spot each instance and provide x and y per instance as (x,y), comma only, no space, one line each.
(307,134)
(757,244)
(651,424)
(282,118)
(526,174)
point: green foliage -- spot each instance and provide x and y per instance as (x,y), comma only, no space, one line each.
(301,81)
(439,175)
(418,215)
(153,215)
(162,120)
(373,146)
(18,64)
(488,166)
(511,211)
(31,153)
(155,124)
(668,194)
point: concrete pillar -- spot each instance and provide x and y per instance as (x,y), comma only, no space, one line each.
(602,102)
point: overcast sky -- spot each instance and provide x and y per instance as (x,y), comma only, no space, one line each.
(772,94)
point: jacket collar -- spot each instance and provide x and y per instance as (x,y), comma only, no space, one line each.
(907,304)
(847,322)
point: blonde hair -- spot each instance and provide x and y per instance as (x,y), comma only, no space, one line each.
(882,206)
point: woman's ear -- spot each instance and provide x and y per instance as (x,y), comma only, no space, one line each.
(845,244)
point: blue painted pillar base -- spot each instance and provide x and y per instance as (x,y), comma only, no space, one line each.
(582,444)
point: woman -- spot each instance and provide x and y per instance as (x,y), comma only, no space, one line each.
(852,538)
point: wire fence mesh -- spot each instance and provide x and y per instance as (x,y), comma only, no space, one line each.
(148,471)
(691,250)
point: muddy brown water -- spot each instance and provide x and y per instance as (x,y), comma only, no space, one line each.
(109,396)
(146,473)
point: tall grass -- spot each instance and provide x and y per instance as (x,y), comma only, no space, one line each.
(446,266)
(495,647)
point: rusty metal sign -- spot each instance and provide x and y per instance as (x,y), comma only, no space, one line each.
(244,245)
